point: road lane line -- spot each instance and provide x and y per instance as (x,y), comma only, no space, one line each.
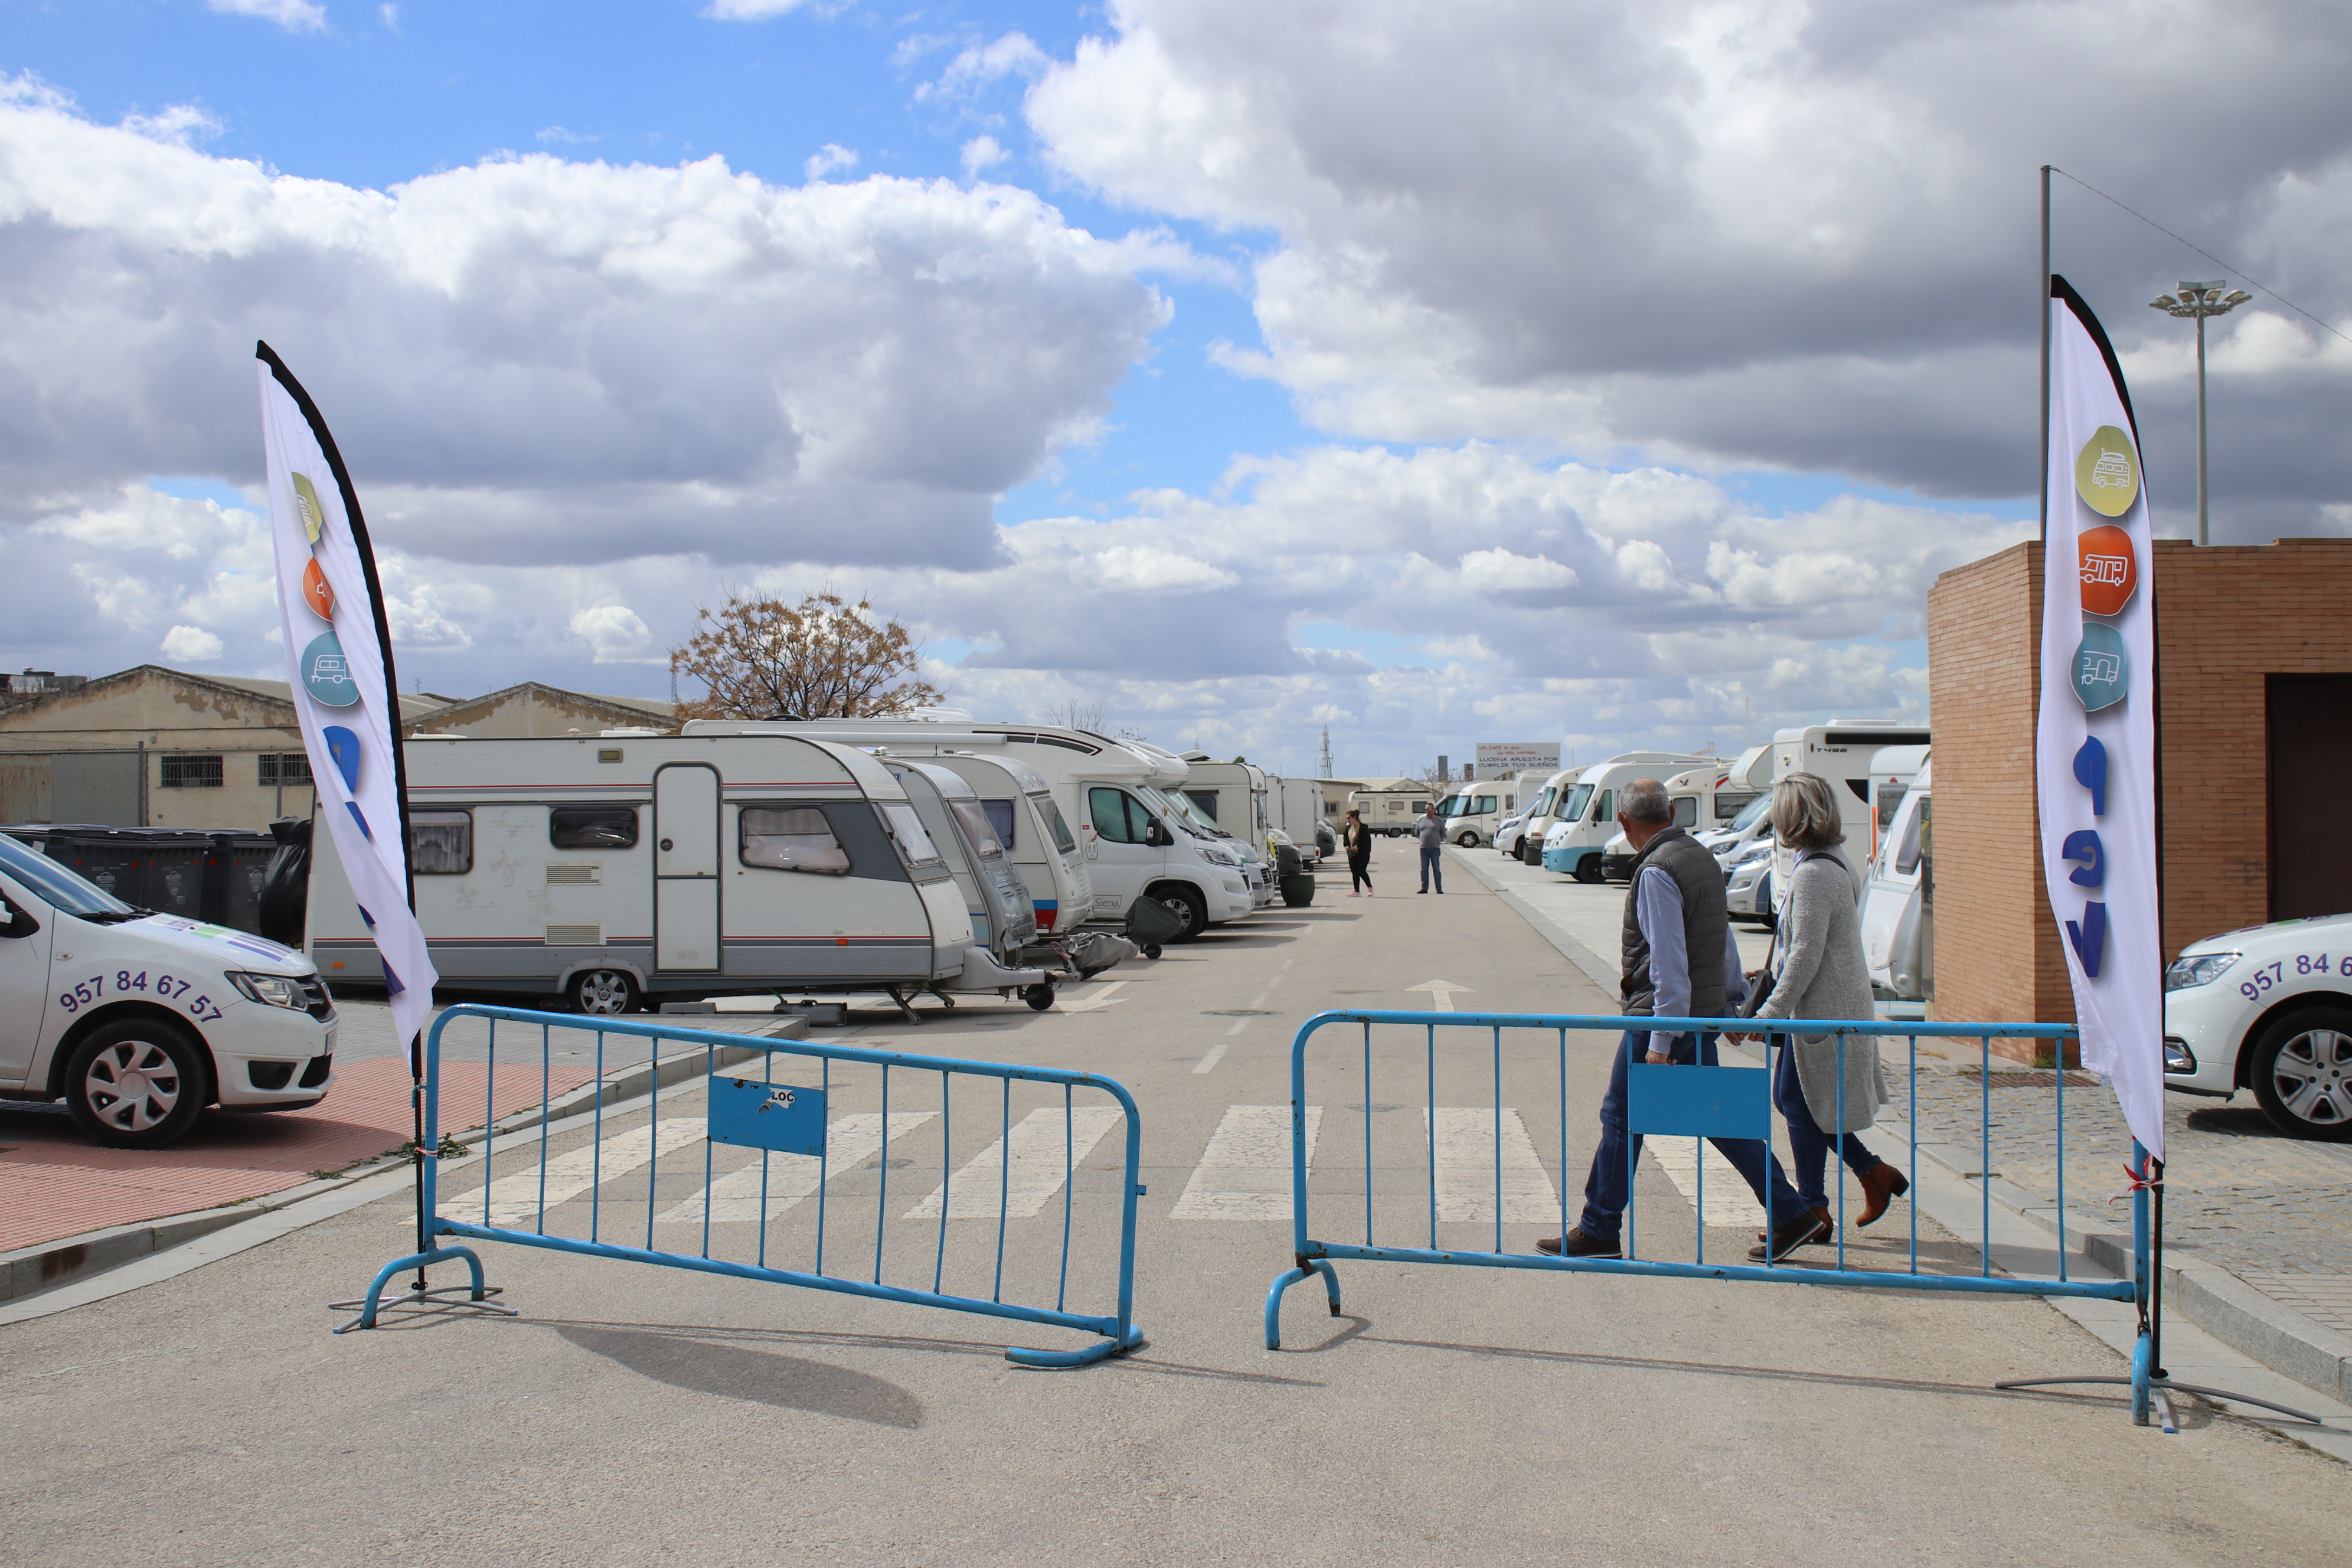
(1466,1156)
(1217,1052)
(514,1200)
(1244,1174)
(849,1143)
(1032,1175)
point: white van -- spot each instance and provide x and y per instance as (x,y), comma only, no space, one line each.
(138,1021)
(1387,806)
(1524,840)
(1854,758)
(1135,841)
(618,869)
(1898,906)
(1575,843)
(1470,811)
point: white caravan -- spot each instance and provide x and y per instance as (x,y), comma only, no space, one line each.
(1574,844)
(1524,841)
(1232,795)
(1853,757)
(1044,851)
(1472,811)
(1296,808)
(1898,906)
(1135,841)
(618,869)
(1387,806)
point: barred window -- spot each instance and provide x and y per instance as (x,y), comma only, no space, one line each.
(192,772)
(285,767)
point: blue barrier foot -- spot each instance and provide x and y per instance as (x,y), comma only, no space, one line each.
(2141,1364)
(1285,1282)
(1059,1360)
(477,1294)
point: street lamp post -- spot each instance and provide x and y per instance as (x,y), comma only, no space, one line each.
(2197,302)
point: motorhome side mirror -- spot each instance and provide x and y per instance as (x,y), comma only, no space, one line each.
(20,922)
(1156,836)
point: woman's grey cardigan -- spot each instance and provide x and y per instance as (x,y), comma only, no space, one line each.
(1824,975)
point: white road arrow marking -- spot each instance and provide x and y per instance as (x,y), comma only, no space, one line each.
(1441,994)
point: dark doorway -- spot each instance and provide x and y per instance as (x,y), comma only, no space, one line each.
(2311,757)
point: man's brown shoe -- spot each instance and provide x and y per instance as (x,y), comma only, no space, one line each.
(1884,1183)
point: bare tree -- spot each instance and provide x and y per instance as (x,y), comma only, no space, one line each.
(825,659)
(1076,715)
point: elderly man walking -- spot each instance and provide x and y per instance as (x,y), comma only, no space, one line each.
(1432,834)
(1680,960)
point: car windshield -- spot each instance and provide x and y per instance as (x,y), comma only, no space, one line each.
(64,889)
(1752,813)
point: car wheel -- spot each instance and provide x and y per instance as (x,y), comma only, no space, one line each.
(1467,841)
(2303,1074)
(604,992)
(1589,868)
(1188,907)
(137,1084)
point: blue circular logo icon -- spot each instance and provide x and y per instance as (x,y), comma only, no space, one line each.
(328,674)
(2100,678)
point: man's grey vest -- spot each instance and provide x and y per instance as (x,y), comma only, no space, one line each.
(1706,923)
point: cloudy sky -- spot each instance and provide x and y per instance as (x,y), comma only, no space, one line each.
(1435,372)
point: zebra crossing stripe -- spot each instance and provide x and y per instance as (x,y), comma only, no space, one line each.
(1728,1201)
(1246,1172)
(515,1200)
(1024,1175)
(849,1143)
(1467,1152)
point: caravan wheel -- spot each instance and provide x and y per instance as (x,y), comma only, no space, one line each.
(603,991)
(1039,997)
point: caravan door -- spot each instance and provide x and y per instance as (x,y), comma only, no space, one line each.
(686,866)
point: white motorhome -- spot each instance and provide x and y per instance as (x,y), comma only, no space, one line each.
(1387,806)
(1232,795)
(1135,841)
(1536,816)
(1296,806)
(1472,812)
(1898,906)
(1854,758)
(1693,798)
(617,869)
(1574,845)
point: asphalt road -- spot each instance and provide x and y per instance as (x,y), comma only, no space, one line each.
(634,1414)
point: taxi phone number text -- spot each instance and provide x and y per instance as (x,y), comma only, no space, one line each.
(137,982)
(2271,974)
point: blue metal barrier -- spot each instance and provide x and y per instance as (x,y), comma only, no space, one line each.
(1675,1101)
(749,1108)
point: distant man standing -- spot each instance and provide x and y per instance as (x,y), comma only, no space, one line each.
(1680,961)
(1432,834)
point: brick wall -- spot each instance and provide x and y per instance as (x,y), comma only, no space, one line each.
(2227,617)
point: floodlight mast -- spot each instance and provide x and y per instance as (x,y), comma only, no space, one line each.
(2197,301)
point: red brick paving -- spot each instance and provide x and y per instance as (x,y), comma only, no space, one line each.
(53,1183)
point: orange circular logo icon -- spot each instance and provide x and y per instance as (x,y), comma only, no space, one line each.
(322,598)
(2110,570)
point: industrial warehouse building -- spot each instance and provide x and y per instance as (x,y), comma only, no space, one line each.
(2254,659)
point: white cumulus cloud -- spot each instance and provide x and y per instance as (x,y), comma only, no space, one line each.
(294,16)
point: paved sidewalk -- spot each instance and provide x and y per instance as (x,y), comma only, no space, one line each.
(2274,1212)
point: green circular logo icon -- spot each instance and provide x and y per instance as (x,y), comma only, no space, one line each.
(2107,472)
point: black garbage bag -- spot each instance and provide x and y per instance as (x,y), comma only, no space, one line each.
(285,887)
(1287,861)
(1150,922)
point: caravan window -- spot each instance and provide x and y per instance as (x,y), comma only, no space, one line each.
(977,828)
(1000,817)
(1686,811)
(1204,801)
(592,827)
(440,843)
(1055,824)
(790,838)
(1907,848)
(915,846)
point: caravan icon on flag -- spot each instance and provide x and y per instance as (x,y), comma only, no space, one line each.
(2099,670)
(327,673)
(2110,569)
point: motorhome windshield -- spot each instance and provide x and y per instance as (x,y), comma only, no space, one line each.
(1542,807)
(1181,811)
(978,828)
(65,890)
(1577,802)
(1752,813)
(1054,823)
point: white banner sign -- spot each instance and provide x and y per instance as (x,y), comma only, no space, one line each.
(338,650)
(2094,754)
(1498,759)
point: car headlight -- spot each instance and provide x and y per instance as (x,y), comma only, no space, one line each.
(1752,854)
(2202,969)
(1219,855)
(270,990)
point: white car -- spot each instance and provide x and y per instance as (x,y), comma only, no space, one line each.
(1748,882)
(138,1021)
(2267,1008)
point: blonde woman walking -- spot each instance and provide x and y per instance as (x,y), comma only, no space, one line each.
(1824,975)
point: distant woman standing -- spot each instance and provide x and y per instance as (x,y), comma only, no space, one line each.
(1359,839)
(1824,975)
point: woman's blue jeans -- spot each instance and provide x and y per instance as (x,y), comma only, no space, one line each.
(1809,1146)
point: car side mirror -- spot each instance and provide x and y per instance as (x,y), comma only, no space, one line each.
(20,922)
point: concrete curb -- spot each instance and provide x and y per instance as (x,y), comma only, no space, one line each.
(46,1266)
(2207,1295)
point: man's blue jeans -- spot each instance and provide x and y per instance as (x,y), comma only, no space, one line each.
(1431,865)
(1809,1146)
(1606,1191)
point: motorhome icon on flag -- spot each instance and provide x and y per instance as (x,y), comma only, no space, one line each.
(327,673)
(2099,667)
